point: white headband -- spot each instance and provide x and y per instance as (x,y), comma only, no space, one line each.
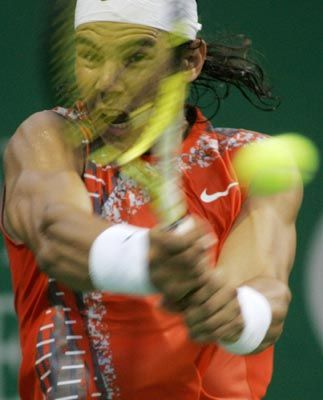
(153,13)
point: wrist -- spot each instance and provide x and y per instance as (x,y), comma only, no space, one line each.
(257,316)
(119,262)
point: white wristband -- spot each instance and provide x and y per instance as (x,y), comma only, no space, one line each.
(257,316)
(118,260)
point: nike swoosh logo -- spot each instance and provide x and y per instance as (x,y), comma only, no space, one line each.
(209,198)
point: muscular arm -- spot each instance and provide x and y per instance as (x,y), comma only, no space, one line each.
(262,241)
(48,209)
(43,187)
(259,252)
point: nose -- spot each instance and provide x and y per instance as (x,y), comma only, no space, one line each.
(110,80)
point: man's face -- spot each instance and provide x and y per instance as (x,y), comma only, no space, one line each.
(118,67)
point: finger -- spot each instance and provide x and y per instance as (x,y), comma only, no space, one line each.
(191,266)
(228,333)
(196,298)
(201,278)
(175,291)
(212,324)
(225,297)
(191,263)
(189,224)
(212,286)
(174,243)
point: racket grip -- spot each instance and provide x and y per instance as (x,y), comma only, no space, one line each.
(186,224)
(183,225)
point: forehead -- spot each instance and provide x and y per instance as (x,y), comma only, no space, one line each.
(118,34)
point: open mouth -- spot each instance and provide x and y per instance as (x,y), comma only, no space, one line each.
(122,121)
(118,126)
(119,123)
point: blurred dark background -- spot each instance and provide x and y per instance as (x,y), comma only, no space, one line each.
(288,37)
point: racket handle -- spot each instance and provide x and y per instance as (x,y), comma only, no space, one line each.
(187,224)
(183,225)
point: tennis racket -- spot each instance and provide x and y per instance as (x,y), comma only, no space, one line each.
(162,135)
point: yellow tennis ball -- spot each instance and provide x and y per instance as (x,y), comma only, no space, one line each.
(276,164)
(305,154)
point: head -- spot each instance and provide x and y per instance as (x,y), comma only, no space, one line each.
(215,67)
(119,63)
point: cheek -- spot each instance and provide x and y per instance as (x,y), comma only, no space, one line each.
(85,79)
(146,78)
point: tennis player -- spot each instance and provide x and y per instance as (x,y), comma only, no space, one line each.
(110,306)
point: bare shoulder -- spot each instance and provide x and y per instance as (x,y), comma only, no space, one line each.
(42,119)
(41,168)
(41,142)
(33,127)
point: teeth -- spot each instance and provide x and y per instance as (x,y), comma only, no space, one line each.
(136,117)
(120,126)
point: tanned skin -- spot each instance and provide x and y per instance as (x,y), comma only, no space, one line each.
(48,209)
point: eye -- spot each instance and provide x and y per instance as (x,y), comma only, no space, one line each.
(136,58)
(89,56)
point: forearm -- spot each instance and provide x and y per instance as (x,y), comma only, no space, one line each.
(63,251)
(57,234)
(259,254)
(85,252)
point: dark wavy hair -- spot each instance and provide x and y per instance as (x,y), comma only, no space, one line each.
(228,65)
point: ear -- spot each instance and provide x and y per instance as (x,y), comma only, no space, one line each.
(194,59)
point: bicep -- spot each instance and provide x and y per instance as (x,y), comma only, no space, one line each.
(262,241)
(40,169)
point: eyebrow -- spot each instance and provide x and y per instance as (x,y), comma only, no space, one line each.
(138,43)
(145,42)
(88,42)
